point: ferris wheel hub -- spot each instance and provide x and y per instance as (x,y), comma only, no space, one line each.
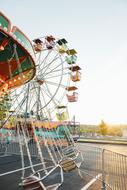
(40,82)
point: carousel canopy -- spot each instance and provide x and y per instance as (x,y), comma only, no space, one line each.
(17,65)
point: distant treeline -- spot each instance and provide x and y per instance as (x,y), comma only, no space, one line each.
(103,129)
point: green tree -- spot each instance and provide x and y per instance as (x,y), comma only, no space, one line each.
(115,131)
(103,128)
(4,107)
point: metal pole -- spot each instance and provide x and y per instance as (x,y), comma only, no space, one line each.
(38,102)
(103,171)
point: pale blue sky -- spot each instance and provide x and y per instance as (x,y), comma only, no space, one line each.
(97,29)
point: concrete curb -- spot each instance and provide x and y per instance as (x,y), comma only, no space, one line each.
(102,141)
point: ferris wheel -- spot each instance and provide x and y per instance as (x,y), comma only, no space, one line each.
(56,73)
(54,84)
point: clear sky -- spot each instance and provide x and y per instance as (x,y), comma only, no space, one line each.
(97,29)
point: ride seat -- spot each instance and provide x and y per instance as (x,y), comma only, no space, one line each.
(76,77)
(68,164)
(73,97)
(34,183)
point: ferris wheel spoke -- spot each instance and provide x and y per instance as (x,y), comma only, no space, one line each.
(58,85)
(44,60)
(34,103)
(63,93)
(39,58)
(53,70)
(49,96)
(47,66)
(39,101)
(44,99)
(37,94)
(45,91)
(45,106)
(47,57)
(55,84)
(17,109)
(40,54)
(16,99)
(17,93)
(63,86)
(54,56)
(54,76)
(18,96)
(53,99)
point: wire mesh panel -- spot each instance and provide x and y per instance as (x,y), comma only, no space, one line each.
(115,170)
(111,167)
(92,159)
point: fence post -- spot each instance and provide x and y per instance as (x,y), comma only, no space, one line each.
(103,171)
